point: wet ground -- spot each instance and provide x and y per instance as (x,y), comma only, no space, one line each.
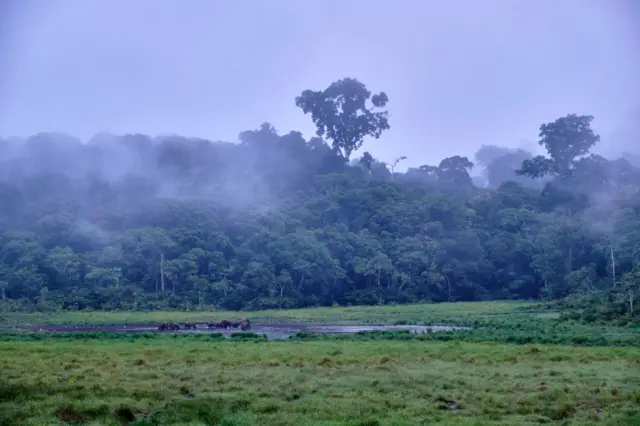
(272,331)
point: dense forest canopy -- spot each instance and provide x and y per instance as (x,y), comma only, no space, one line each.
(135,222)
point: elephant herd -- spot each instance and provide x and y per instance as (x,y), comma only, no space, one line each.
(244,325)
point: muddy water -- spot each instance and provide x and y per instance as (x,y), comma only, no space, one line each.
(284,331)
(272,331)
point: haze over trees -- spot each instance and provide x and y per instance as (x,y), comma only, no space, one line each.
(134,222)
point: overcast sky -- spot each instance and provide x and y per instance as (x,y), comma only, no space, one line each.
(459,73)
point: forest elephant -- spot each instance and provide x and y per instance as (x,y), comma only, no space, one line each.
(168,326)
(245,325)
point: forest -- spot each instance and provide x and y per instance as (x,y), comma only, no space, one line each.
(276,221)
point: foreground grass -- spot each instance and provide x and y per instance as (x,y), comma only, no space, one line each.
(379,378)
(186,381)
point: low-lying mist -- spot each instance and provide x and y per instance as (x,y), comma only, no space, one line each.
(275,220)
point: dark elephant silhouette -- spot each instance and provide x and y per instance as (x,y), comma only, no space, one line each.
(245,325)
(226,324)
(168,326)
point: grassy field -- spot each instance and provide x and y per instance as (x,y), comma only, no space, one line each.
(491,374)
(196,382)
(418,314)
(501,321)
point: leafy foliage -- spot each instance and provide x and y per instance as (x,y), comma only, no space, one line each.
(566,140)
(340,113)
(277,221)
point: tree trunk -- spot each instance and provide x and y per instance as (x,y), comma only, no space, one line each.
(546,281)
(379,279)
(335,280)
(547,289)
(162,272)
(448,286)
(613,265)
(631,297)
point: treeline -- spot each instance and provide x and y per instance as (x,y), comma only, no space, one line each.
(134,222)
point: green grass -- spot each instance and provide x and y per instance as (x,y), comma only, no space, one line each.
(186,381)
(419,313)
(501,322)
(518,364)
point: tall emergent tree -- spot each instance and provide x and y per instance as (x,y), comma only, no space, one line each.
(277,221)
(340,113)
(566,140)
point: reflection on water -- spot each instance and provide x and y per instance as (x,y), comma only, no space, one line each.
(271,331)
(276,331)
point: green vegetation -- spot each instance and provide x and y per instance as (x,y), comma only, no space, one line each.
(503,371)
(277,221)
(458,313)
(185,381)
(135,230)
(501,321)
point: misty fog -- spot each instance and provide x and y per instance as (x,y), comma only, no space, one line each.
(461,77)
(157,156)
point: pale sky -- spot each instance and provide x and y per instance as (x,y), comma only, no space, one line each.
(459,73)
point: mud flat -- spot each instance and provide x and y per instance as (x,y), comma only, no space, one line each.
(272,331)
(283,331)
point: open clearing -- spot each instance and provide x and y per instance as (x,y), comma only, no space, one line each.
(179,381)
(473,377)
(415,314)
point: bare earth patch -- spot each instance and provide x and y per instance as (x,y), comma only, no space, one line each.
(272,331)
